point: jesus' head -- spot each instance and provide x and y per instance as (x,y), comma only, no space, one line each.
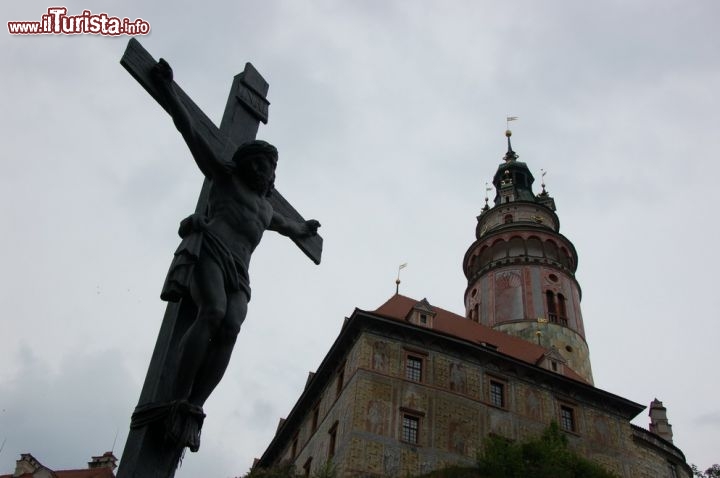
(255,161)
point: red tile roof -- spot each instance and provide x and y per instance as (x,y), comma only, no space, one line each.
(83,473)
(398,307)
(86,473)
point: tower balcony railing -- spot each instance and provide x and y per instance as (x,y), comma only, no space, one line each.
(555,319)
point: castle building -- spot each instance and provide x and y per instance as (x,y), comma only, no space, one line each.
(98,467)
(410,387)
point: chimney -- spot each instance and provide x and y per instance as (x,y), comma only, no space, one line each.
(26,464)
(107,460)
(659,424)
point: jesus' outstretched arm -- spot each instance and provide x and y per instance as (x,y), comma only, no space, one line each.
(293,229)
(208,163)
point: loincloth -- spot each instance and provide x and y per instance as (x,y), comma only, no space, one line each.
(198,242)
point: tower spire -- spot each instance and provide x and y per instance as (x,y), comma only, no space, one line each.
(510,155)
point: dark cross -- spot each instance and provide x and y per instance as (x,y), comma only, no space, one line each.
(147,452)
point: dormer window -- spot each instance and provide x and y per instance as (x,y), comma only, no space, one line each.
(552,360)
(422,314)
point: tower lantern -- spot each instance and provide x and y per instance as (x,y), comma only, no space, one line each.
(521,270)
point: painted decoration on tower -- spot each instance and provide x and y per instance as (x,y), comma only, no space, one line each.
(459,435)
(532,404)
(391,461)
(602,430)
(500,423)
(457,377)
(376,416)
(413,399)
(508,296)
(380,357)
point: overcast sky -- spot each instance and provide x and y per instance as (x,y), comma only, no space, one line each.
(389,117)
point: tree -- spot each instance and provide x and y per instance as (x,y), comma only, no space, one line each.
(712,472)
(284,470)
(547,456)
(287,470)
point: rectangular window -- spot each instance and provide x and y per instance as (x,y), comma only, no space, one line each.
(567,418)
(333,440)
(307,466)
(315,416)
(340,380)
(294,446)
(413,368)
(497,393)
(410,428)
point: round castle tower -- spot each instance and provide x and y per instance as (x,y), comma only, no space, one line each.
(521,270)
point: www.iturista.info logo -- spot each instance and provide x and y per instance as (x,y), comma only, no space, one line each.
(57,22)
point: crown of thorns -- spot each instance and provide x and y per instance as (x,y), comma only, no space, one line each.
(254,148)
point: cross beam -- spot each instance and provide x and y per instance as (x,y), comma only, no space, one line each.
(246,107)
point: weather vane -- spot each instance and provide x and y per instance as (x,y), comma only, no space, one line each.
(487,190)
(397,281)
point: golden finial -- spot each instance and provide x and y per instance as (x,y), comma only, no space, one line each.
(538,334)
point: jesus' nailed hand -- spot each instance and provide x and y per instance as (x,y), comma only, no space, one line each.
(211,264)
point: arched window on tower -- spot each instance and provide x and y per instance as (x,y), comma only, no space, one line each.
(484,257)
(516,247)
(499,250)
(551,250)
(534,247)
(562,310)
(551,306)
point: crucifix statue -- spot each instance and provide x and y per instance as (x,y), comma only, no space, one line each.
(207,287)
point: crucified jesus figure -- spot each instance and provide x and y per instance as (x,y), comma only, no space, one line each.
(211,263)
